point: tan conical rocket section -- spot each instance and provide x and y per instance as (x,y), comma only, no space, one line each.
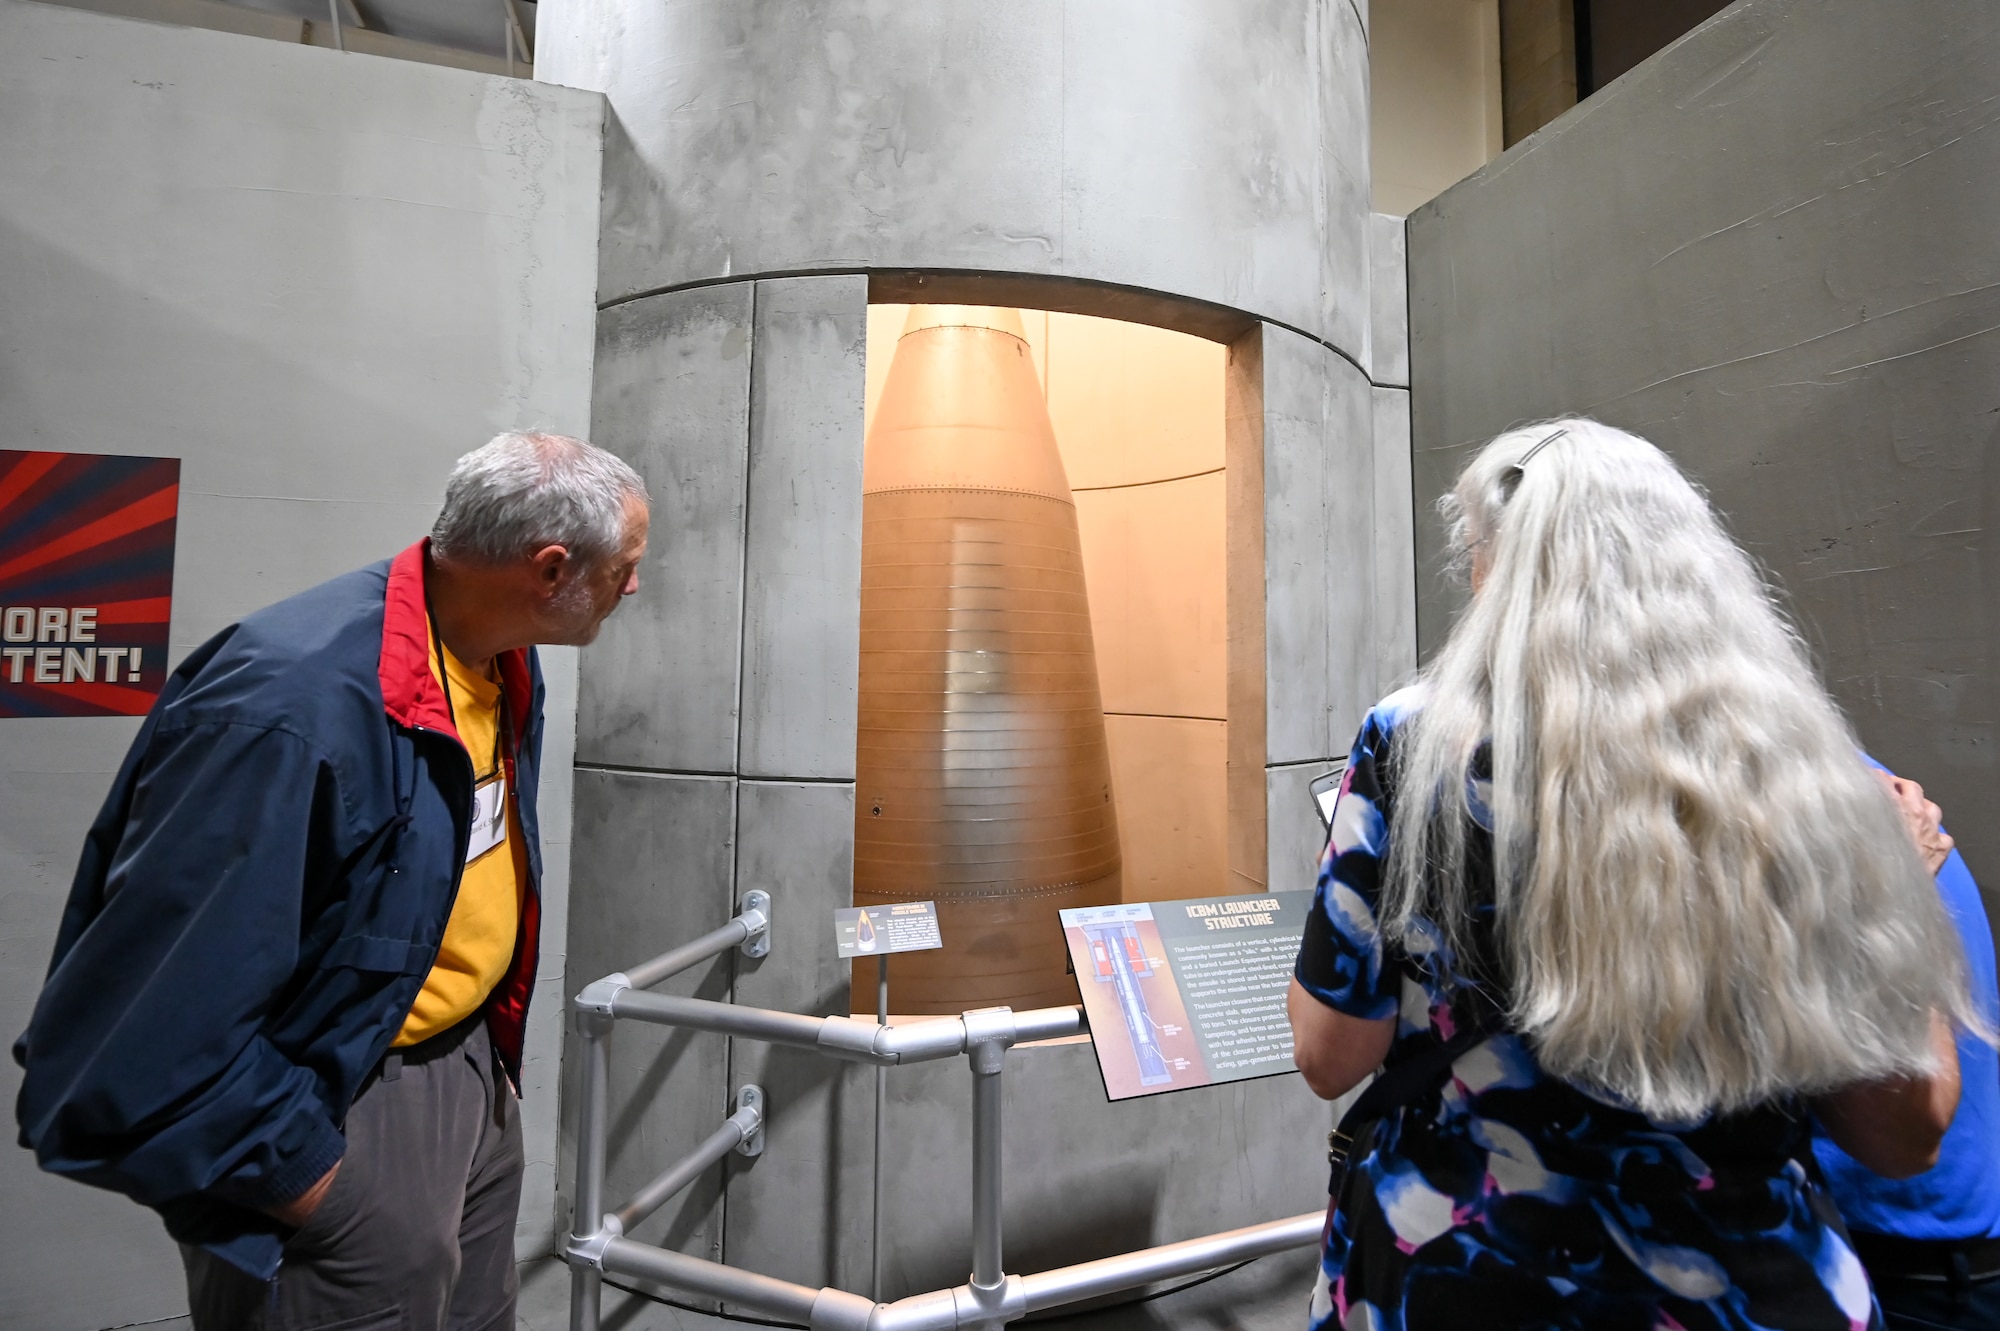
(983,777)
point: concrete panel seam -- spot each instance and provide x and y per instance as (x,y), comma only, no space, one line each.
(781,779)
(743,563)
(734,957)
(622,769)
(801,625)
(1054,279)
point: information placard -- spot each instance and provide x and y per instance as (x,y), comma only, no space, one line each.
(871,931)
(1187,993)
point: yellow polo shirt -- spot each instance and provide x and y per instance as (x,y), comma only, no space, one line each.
(486,918)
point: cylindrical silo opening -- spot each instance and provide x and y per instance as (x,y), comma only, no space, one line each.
(1044,651)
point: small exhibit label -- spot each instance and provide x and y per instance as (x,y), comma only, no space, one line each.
(1187,993)
(900,926)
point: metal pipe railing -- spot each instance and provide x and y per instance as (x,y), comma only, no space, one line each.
(702,1014)
(991,1298)
(987,1035)
(766,1294)
(594,1100)
(735,1130)
(986,1236)
(751,927)
(1109,1275)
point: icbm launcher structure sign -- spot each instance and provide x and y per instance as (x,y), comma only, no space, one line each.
(1187,993)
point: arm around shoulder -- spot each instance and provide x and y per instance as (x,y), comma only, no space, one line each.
(1896,1126)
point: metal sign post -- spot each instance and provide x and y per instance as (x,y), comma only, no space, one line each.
(905,926)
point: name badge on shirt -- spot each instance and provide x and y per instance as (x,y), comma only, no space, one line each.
(489,817)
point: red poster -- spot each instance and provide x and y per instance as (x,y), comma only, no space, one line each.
(86,582)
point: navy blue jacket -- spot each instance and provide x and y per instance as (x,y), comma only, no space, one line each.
(256,909)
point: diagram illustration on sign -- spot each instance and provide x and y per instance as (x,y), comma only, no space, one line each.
(86,582)
(1187,993)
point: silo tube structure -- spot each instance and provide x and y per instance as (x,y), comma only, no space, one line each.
(771,173)
(983,779)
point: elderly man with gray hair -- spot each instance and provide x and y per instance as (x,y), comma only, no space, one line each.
(288,993)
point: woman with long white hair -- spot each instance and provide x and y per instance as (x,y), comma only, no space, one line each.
(1616,869)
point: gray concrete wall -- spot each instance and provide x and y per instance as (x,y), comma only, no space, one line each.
(1339,554)
(1211,149)
(1770,250)
(1320,585)
(317,279)
(715,746)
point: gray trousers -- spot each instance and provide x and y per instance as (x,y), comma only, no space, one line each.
(417,1231)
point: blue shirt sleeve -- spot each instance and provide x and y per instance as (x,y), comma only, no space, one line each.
(1342,961)
(1959,1197)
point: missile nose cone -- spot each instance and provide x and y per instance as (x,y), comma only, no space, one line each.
(993,318)
(962,408)
(981,738)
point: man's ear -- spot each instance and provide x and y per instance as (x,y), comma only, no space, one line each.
(550,563)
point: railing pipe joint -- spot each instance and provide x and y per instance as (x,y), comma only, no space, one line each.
(989,1034)
(588,1249)
(837,1310)
(845,1037)
(940,1037)
(593,1005)
(934,1311)
(983,1306)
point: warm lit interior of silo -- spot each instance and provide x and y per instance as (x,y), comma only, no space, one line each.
(1138,418)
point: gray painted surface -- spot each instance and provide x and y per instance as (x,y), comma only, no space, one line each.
(537,1226)
(1319,548)
(1770,250)
(317,280)
(1214,149)
(654,865)
(741,404)
(1339,578)
(673,399)
(1388,358)
(800,1210)
(1296,834)
(1087,1178)
(802,570)
(1395,549)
